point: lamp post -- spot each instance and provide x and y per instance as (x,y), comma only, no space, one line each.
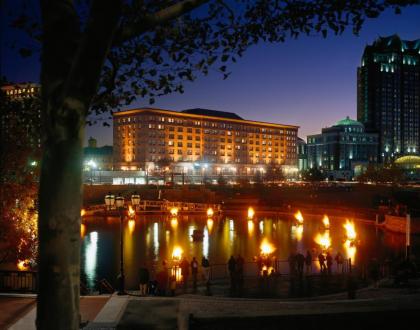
(135,200)
(109,201)
(119,203)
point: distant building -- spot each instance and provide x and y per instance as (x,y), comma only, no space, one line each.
(28,120)
(388,95)
(302,154)
(200,142)
(97,159)
(343,149)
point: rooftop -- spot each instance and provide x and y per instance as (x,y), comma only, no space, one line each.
(348,122)
(212,113)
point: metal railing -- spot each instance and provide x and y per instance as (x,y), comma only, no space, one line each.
(18,281)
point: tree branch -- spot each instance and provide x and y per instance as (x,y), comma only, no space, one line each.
(148,22)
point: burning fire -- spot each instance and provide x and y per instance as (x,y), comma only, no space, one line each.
(82,229)
(250,227)
(326,221)
(299,217)
(350,230)
(174,223)
(251,213)
(177,253)
(298,232)
(82,212)
(266,247)
(23,264)
(131,225)
(174,211)
(131,211)
(210,224)
(323,240)
(210,212)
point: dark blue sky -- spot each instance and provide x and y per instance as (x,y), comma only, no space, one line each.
(310,82)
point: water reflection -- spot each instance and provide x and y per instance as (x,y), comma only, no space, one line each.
(154,238)
(91,250)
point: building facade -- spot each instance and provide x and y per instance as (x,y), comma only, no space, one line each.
(302,154)
(342,149)
(97,158)
(200,141)
(388,91)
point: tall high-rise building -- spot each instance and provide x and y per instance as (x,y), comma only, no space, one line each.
(200,140)
(388,95)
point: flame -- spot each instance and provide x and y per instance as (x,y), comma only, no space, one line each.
(131,211)
(210,212)
(174,211)
(326,221)
(174,223)
(298,231)
(323,240)
(251,213)
(299,217)
(82,212)
(82,229)
(350,230)
(131,225)
(177,253)
(350,249)
(266,247)
(250,227)
(23,265)
(210,224)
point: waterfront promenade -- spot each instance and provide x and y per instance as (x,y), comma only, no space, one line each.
(373,307)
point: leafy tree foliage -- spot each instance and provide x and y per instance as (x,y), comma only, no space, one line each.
(273,173)
(19,164)
(382,174)
(313,174)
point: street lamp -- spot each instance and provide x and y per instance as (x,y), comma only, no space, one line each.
(119,203)
(135,200)
(109,201)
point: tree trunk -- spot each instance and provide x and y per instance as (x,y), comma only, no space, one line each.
(60,199)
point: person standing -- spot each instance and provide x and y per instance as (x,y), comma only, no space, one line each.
(194,272)
(205,264)
(232,271)
(240,262)
(339,260)
(300,260)
(321,260)
(185,272)
(308,262)
(329,260)
(144,280)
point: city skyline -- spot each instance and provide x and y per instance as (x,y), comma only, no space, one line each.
(309,82)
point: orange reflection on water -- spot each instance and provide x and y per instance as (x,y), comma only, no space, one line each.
(250,227)
(82,230)
(210,224)
(131,225)
(174,223)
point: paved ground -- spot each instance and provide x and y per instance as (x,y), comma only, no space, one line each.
(19,312)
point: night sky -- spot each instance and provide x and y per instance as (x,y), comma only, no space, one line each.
(309,82)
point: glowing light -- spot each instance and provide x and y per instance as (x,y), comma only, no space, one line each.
(297,232)
(323,240)
(350,249)
(156,239)
(326,221)
(299,217)
(261,226)
(177,253)
(210,224)
(82,229)
(82,212)
(250,227)
(23,265)
(131,211)
(210,212)
(174,211)
(91,252)
(131,225)
(251,213)
(174,223)
(266,247)
(350,230)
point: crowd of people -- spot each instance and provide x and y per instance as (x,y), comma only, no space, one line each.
(300,263)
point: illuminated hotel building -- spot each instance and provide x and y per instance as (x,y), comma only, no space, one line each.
(202,141)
